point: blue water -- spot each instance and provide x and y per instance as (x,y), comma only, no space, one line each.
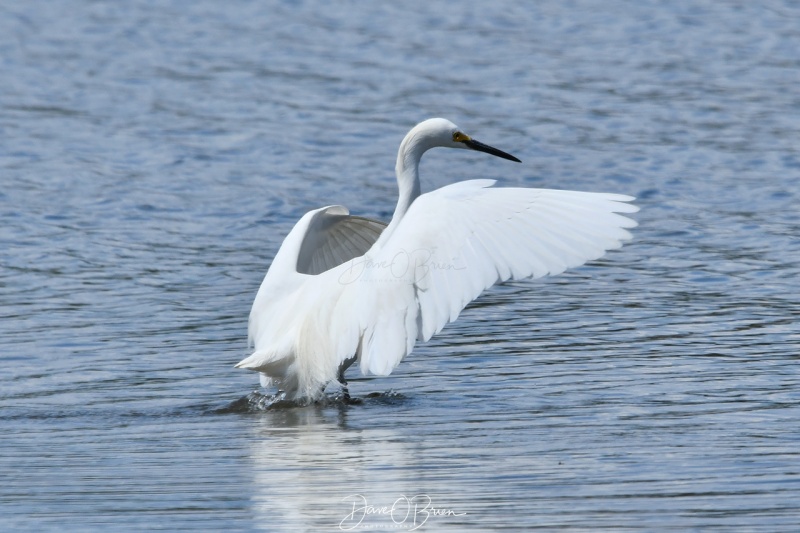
(153,155)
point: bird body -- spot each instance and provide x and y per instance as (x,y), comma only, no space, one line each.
(346,289)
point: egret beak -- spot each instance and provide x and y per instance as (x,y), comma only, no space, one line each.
(479,146)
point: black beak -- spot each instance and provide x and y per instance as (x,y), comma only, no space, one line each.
(479,146)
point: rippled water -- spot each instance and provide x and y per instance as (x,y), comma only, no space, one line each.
(154,154)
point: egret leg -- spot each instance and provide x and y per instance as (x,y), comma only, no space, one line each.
(340,377)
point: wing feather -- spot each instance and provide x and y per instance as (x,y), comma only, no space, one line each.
(334,237)
(457,241)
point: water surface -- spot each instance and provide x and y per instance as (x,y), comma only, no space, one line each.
(153,155)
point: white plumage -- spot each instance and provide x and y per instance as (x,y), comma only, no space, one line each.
(344,288)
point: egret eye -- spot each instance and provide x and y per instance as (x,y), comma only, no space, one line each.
(460,137)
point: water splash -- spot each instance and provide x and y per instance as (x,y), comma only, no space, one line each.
(258,402)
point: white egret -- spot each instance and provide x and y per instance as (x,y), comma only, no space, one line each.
(345,289)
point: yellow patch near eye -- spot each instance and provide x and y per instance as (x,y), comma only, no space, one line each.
(460,137)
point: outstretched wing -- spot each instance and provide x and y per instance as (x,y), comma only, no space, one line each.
(334,237)
(455,242)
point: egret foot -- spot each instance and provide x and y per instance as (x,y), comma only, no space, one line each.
(343,382)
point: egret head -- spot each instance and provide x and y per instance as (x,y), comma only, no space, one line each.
(442,132)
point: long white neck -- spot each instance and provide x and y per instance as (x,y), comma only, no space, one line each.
(415,143)
(407,172)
